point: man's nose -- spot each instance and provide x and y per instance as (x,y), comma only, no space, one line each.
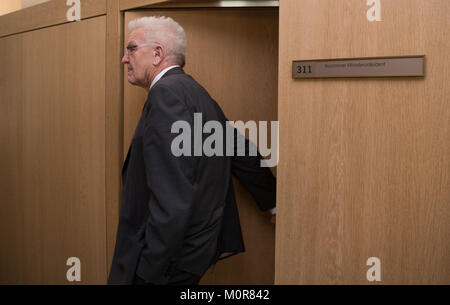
(125,59)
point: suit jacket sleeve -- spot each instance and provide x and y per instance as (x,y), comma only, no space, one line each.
(171,181)
(259,181)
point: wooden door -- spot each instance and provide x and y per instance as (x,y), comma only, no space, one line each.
(364,165)
(52,153)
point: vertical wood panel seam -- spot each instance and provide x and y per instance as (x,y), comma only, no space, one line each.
(114,119)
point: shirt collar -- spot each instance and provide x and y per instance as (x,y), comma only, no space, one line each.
(160,74)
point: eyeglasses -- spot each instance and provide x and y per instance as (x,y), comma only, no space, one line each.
(132,48)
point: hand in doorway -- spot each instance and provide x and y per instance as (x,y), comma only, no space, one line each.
(274,215)
(273,219)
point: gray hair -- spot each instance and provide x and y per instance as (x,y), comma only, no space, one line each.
(165,31)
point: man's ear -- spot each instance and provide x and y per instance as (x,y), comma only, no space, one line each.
(158,54)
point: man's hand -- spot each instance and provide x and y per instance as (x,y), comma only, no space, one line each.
(273,219)
(274,215)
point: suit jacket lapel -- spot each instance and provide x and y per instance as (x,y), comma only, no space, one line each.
(176,70)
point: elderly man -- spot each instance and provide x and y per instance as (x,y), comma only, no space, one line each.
(178,214)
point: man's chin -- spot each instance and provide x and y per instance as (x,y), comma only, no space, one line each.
(132,80)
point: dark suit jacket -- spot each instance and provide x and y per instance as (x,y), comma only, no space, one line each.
(180,212)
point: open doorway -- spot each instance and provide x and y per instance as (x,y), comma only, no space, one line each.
(233,53)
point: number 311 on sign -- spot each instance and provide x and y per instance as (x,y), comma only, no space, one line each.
(304,69)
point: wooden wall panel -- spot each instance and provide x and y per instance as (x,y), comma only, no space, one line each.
(364,163)
(28,3)
(47,14)
(233,53)
(11,194)
(53,188)
(114,123)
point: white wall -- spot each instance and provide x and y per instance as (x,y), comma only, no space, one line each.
(8,6)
